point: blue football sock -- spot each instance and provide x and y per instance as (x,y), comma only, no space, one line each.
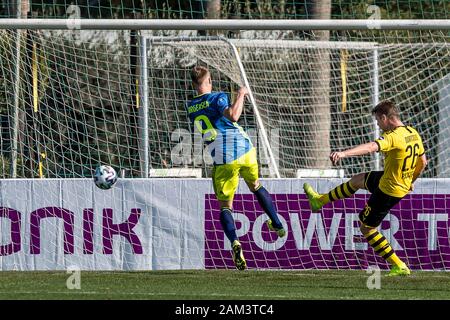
(265,201)
(227,222)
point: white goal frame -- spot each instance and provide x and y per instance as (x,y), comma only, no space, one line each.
(221,24)
(214,24)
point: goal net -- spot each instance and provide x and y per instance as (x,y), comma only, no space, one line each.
(71,100)
(76,100)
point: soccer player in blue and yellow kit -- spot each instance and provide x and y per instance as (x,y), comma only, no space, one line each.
(233,153)
(404,161)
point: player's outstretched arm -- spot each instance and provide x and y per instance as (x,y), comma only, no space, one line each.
(360,150)
(234,112)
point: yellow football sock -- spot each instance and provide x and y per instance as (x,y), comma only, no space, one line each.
(381,246)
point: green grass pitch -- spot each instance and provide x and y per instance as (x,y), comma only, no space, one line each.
(223,285)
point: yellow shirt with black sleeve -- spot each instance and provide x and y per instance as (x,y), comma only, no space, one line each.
(401,147)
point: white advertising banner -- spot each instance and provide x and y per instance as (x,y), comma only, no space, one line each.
(139,224)
(153,224)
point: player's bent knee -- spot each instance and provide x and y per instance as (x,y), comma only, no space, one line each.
(253,185)
(226,204)
(357,181)
(365,229)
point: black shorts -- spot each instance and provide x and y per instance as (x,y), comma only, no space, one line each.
(379,203)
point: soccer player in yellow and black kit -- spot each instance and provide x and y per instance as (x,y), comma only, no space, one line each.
(404,161)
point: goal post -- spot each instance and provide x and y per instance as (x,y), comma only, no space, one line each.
(221,24)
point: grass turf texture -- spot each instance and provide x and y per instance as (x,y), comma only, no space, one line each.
(223,285)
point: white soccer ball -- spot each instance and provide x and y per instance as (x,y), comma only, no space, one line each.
(105,177)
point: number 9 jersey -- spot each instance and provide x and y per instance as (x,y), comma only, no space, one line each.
(226,140)
(401,147)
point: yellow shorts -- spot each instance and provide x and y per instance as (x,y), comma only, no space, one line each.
(226,176)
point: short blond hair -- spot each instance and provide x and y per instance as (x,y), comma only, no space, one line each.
(199,74)
(388,108)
